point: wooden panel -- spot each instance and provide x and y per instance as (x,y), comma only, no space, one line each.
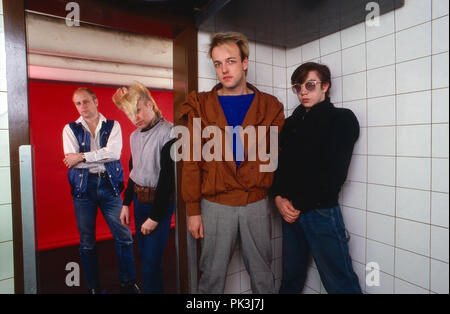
(185,70)
(19,133)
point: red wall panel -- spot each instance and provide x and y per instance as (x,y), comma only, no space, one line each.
(51,108)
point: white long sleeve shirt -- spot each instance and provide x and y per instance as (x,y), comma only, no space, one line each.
(97,156)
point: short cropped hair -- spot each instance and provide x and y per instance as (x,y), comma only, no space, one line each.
(239,39)
(128,101)
(87,90)
(301,73)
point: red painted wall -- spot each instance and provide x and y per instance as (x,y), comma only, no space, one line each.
(51,108)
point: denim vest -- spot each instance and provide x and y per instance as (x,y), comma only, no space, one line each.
(78,178)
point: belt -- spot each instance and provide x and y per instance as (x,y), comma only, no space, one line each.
(145,194)
(103,174)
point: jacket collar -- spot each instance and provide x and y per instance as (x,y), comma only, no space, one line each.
(317,108)
(255,114)
(151,125)
(85,125)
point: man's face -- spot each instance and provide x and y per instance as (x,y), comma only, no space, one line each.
(87,107)
(144,114)
(309,98)
(230,69)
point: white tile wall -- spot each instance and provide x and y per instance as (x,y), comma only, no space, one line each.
(403,287)
(381,228)
(413,13)
(412,268)
(330,44)
(440,100)
(353,36)
(394,78)
(386,27)
(381,111)
(440,35)
(386,285)
(440,140)
(381,82)
(382,254)
(413,204)
(414,75)
(381,170)
(414,140)
(408,49)
(440,209)
(6,243)
(440,8)
(334,62)
(381,52)
(439,277)
(440,175)
(382,141)
(381,199)
(440,70)
(355,194)
(439,243)
(413,236)
(354,59)
(355,220)
(357,247)
(414,173)
(414,108)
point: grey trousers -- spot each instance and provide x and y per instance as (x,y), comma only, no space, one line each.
(223,225)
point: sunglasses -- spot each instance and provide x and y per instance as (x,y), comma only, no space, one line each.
(310,86)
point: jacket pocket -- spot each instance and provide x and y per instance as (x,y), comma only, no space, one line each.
(212,179)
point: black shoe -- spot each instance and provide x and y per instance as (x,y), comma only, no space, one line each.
(130,287)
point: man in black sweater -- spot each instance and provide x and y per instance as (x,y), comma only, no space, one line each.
(316,146)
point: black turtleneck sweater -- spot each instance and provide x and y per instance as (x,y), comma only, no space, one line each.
(316,148)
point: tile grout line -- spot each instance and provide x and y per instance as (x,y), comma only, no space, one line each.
(431,144)
(367,141)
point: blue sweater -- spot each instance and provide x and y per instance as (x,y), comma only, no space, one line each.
(235,109)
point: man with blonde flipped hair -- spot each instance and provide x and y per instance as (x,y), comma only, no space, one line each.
(92,148)
(227,200)
(151,182)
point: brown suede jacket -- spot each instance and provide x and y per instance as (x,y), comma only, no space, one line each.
(220,181)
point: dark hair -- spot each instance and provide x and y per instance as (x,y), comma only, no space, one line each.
(301,73)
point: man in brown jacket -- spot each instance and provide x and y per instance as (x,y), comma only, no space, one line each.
(226,198)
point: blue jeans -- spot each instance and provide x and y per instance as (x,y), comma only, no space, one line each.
(151,247)
(100,194)
(322,233)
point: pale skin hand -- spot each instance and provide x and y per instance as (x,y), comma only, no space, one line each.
(72,159)
(286,209)
(148,226)
(125,215)
(195,226)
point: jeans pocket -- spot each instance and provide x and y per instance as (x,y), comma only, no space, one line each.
(326,212)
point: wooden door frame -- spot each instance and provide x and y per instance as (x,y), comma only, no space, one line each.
(185,80)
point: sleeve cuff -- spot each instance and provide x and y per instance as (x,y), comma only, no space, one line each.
(89,156)
(193,209)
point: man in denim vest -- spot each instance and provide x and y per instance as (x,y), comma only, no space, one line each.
(92,148)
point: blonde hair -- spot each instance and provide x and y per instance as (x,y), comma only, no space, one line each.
(239,39)
(127,99)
